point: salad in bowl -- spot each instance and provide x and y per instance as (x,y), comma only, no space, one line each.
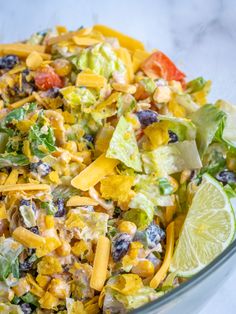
(116,173)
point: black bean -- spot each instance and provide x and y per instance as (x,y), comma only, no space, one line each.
(8,62)
(25,266)
(120,246)
(226,177)
(89,138)
(34,229)
(147,117)
(154,235)
(24,202)
(173,138)
(60,208)
(26,308)
(41,168)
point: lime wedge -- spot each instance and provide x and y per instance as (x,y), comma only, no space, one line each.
(208,229)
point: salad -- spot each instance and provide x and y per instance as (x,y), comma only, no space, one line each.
(116,173)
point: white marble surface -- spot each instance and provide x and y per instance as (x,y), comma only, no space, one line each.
(200,35)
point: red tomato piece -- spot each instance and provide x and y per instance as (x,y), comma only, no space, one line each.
(46,78)
(159,65)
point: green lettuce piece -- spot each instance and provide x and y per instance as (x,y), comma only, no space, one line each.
(143,296)
(13,160)
(196,85)
(101,59)
(208,119)
(51,209)
(184,128)
(228,131)
(125,104)
(30,298)
(148,84)
(3,142)
(9,252)
(141,212)
(41,135)
(165,187)
(149,185)
(123,145)
(15,115)
(78,96)
(10,309)
(172,158)
(28,215)
(186,101)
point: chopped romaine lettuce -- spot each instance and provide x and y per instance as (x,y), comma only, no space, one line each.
(10,309)
(3,142)
(126,103)
(228,134)
(9,252)
(184,128)
(12,159)
(141,212)
(28,214)
(187,102)
(30,298)
(172,158)
(208,119)
(88,225)
(148,84)
(149,186)
(78,96)
(165,186)
(123,145)
(101,59)
(196,85)
(42,140)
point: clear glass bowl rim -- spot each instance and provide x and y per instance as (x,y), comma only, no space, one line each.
(218,262)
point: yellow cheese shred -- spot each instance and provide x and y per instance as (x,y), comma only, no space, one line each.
(139,57)
(21,102)
(90,80)
(28,238)
(91,175)
(124,40)
(23,50)
(161,273)
(125,56)
(81,201)
(85,41)
(99,273)
(24,187)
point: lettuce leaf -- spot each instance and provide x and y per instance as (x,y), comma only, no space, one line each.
(10,308)
(9,252)
(186,101)
(196,85)
(123,146)
(208,119)
(172,158)
(13,160)
(28,214)
(78,96)
(149,185)
(184,128)
(148,84)
(228,130)
(101,59)
(41,136)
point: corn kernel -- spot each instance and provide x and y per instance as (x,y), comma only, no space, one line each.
(80,248)
(162,94)
(231,163)
(71,146)
(49,265)
(34,60)
(3,177)
(34,287)
(54,177)
(22,287)
(64,249)
(144,268)
(176,86)
(3,212)
(48,301)
(127,227)
(43,280)
(62,67)
(59,288)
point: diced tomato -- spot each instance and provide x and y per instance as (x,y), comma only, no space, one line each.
(159,65)
(46,78)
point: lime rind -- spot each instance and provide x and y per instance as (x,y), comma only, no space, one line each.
(199,243)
